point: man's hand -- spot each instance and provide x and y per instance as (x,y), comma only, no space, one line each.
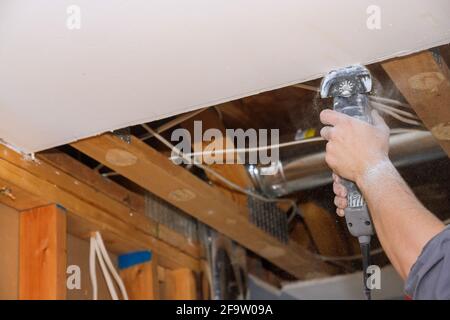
(353,148)
(358,151)
(340,200)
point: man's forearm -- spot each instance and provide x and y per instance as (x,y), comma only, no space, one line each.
(402,223)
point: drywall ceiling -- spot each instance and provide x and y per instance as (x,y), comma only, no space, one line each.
(134,61)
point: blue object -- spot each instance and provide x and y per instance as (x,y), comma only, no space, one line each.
(131,259)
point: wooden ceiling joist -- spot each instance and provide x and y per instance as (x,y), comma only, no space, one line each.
(423,79)
(75,168)
(156,173)
(89,209)
(135,203)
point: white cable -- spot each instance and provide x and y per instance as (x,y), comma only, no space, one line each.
(396,110)
(215,174)
(391,101)
(110,265)
(280,145)
(108,279)
(92,269)
(248,150)
(398,117)
(257,196)
(377,98)
(225,180)
(174,122)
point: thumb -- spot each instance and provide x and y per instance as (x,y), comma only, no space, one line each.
(378,121)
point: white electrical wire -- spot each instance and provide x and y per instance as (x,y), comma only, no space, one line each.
(110,265)
(394,109)
(398,117)
(273,146)
(105,272)
(248,150)
(97,248)
(92,269)
(379,104)
(396,113)
(214,173)
(390,101)
(190,160)
(377,98)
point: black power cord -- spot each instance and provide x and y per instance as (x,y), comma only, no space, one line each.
(365,251)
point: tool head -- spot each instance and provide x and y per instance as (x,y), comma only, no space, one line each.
(346,82)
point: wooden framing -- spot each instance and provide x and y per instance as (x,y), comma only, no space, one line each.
(324,231)
(180,284)
(141,280)
(69,165)
(157,174)
(89,209)
(134,202)
(423,79)
(42,254)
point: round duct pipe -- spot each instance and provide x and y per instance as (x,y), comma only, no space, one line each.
(310,171)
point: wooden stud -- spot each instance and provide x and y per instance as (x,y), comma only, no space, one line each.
(180,284)
(141,281)
(133,205)
(85,216)
(42,257)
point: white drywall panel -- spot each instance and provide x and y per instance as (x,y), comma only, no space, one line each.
(134,61)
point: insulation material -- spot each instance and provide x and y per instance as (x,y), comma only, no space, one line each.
(269,218)
(170,216)
(73,69)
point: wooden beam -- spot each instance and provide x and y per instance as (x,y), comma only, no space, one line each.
(42,257)
(141,280)
(90,210)
(132,203)
(425,84)
(324,230)
(157,174)
(69,165)
(180,285)
(19,199)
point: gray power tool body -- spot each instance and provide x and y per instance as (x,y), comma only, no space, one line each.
(349,87)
